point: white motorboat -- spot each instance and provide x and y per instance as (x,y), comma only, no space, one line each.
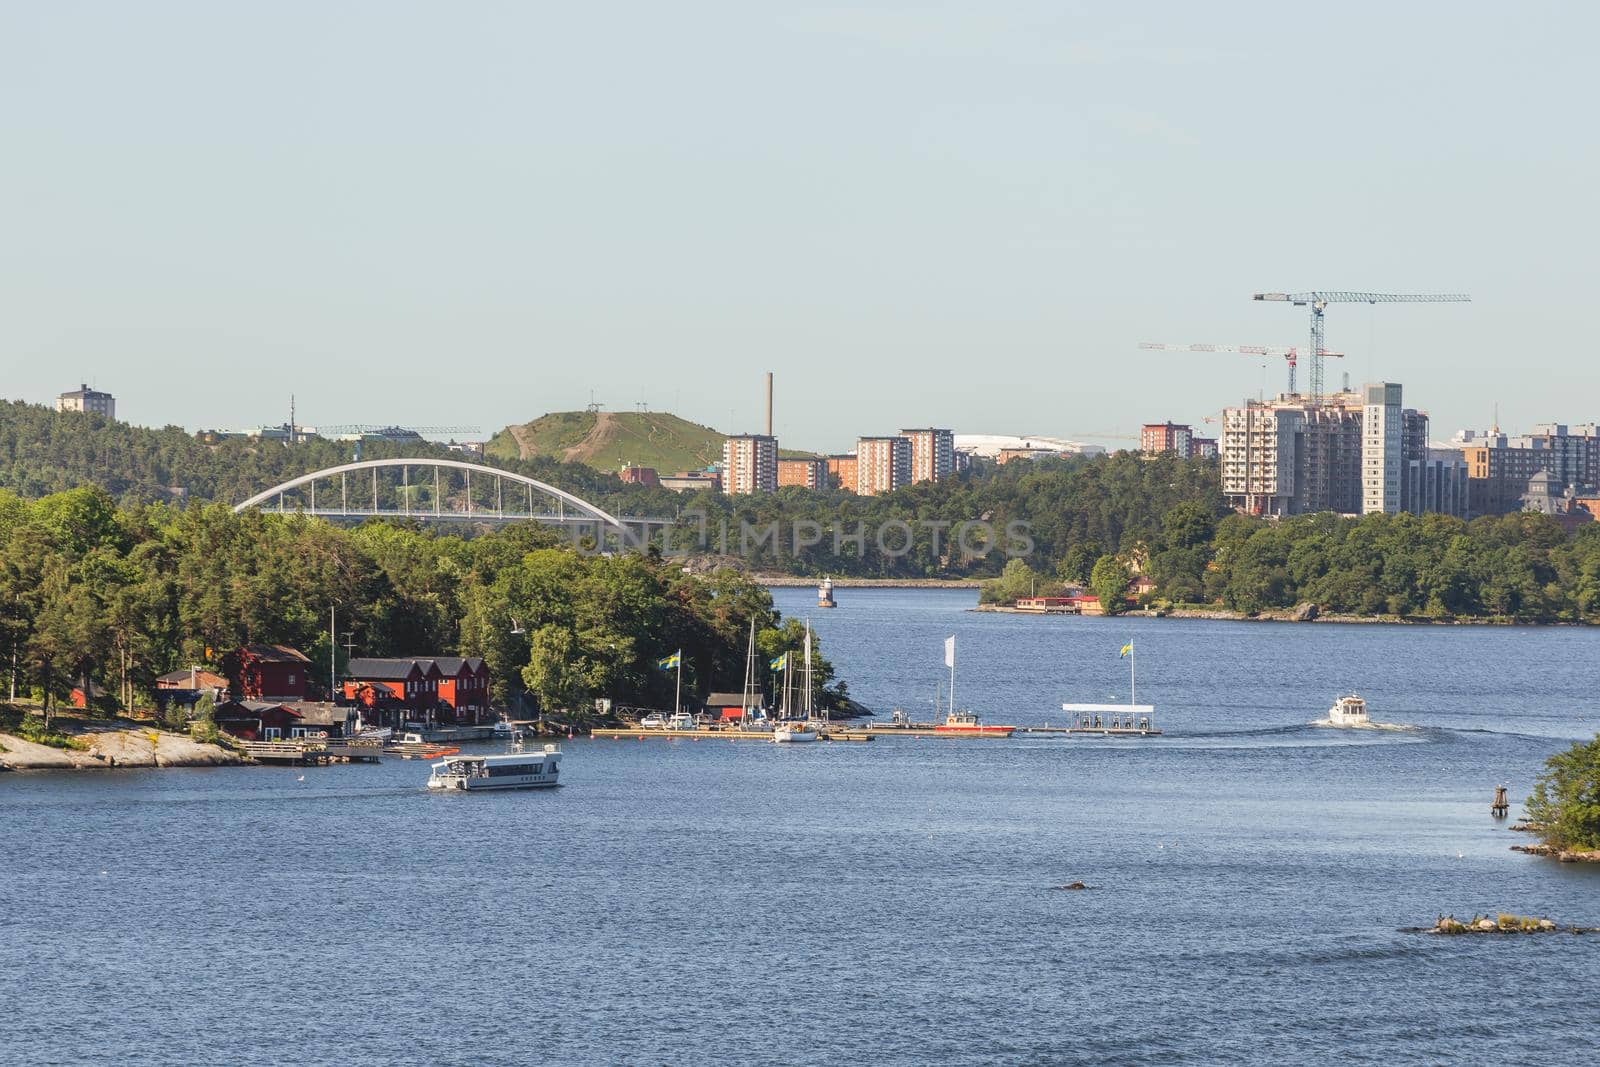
(654,721)
(511,770)
(1348,711)
(681,720)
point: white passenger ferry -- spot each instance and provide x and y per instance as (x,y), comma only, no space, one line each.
(512,770)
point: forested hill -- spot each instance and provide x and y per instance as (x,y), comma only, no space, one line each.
(43,451)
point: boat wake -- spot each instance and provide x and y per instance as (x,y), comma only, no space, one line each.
(1393,726)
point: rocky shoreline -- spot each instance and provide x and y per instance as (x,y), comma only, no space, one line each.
(1561,855)
(107,745)
(1300,613)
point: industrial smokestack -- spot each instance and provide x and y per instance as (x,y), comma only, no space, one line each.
(769,403)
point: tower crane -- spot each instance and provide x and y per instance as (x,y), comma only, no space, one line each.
(1291,356)
(1318,302)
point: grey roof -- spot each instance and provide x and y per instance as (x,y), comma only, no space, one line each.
(385,669)
(320,714)
(253,707)
(453,664)
(734,700)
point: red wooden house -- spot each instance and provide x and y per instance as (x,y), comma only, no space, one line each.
(272,672)
(414,682)
(464,685)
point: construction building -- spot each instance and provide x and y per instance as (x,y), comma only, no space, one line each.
(89,401)
(1352,452)
(750,464)
(883,464)
(808,473)
(1166,438)
(933,454)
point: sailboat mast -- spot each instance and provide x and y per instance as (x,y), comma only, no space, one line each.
(808,671)
(749,662)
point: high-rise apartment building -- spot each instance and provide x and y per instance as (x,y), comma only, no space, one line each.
(750,463)
(88,400)
(883,464)
(1159,438)
(933,454)
(1500,465)
(1382,449)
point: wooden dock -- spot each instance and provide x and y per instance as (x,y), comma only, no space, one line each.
(305,752)
(622,733)
(928,729)
(1094,731)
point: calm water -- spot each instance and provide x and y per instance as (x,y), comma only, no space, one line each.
(889,902)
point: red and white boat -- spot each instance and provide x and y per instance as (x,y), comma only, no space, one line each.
(966,723)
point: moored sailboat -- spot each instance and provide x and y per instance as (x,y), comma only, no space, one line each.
(791,730)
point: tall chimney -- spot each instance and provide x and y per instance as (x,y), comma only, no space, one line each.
(769,403)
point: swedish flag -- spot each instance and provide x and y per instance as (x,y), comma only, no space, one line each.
(1127,648)
(671,661)
(781,663)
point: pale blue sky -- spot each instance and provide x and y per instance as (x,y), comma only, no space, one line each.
(949,214)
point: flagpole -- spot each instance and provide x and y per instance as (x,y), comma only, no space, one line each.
(677,694)
(952,675)
(1133,682)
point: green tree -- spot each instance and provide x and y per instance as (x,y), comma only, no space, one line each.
(1076,566)
(1566,799)
(1109,580)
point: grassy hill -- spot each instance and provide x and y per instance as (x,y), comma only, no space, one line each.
(609,440)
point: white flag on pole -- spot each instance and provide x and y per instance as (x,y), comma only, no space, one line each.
(950,651)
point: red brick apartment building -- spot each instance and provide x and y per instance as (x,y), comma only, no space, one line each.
(1158,438)
(809,473)
(842,471)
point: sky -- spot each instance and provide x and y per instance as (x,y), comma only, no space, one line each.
(964,215)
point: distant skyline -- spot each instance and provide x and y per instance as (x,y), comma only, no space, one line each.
(943,214)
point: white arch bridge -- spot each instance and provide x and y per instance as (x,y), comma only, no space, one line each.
(447,490)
